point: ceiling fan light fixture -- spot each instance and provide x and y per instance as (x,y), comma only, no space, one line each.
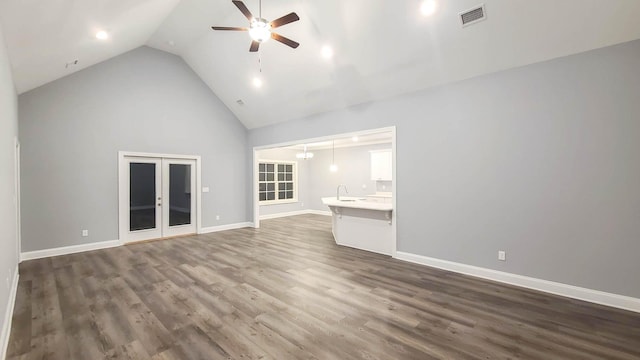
(260,30)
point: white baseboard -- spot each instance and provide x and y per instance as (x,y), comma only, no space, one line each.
(8,315)
(575,292)
(65,250)
(319,212)
(294,213)
(283,214)
(210,229)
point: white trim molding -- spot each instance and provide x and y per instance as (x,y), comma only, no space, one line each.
(66,250)
(320,212)
(570,291)
(283,214)
(8,315)
(211,229)
(294,213)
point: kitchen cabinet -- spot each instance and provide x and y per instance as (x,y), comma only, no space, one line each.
(381,165)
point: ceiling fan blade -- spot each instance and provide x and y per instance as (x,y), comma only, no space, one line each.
(243,9)
(284,40)
(229,28)
(254,46)
(289,18)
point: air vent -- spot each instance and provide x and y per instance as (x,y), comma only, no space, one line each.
(240,102)
(472,16)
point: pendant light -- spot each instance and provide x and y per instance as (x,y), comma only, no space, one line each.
(333,167)
(304,155)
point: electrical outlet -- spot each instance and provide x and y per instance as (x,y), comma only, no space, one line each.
(217,217)
(301,204)
(85,233)
(502,255)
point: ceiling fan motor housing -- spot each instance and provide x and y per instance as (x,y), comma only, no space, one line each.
(260,30)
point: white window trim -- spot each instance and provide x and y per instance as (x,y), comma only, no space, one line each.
(295,183)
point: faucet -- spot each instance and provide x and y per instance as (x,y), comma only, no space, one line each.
(338,191)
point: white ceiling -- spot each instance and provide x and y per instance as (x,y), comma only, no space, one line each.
(382,48)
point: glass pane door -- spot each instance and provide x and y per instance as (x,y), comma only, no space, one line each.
(179,192)
(144,196)
(158,198)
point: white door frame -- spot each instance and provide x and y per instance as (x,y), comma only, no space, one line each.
(392,129)
(17,196)
(176,230)
(123,202)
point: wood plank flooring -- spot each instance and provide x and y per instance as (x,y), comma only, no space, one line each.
(286,291)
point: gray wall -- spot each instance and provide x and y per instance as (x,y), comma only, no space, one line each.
(145,100)
(354,171)
(8,132)
(541,161)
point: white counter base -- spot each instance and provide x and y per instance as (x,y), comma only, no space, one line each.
(361,225)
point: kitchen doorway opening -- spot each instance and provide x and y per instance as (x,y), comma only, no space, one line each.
(292,177)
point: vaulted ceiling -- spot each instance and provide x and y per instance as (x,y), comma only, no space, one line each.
(381,48)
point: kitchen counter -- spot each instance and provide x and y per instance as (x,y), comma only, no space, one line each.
(361,224)
(356,203)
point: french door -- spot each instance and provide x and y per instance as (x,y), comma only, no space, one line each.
(161,196)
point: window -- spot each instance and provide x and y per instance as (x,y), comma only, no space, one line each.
(277,182)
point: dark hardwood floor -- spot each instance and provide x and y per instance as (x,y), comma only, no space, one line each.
(286,291)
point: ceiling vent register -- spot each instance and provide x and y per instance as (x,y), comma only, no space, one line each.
(473,16)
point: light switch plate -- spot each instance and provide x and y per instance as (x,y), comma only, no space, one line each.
(85,232)
(205,189)
(502,255)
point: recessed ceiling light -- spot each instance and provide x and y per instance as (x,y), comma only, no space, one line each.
(102,35)
(428,7)
(257,82)
(354,139)
(327,52)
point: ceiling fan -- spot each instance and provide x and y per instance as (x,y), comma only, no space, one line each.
(259,29)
